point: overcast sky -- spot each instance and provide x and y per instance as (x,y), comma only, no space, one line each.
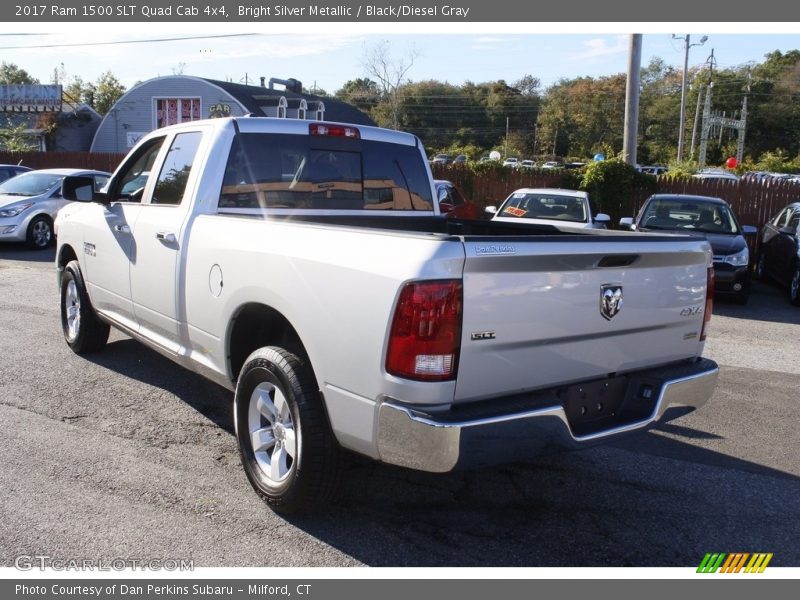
(314,54)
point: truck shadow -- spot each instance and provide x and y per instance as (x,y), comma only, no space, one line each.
(130,358)
(656,499)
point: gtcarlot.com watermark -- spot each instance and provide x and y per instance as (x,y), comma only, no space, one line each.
(43,562)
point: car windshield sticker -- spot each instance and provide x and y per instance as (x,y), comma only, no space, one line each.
(518,195)
(517,212)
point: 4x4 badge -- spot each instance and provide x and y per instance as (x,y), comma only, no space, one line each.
(610,300)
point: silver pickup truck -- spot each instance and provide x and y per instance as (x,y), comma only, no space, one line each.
(305,265)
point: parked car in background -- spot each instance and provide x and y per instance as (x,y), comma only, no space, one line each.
(715,174)
(527,164)
(653,169)
(30,202)
(441,159)
(461,159)
(512,162)
(452,202)
(552,164)
(548,206)
(711,218)
(779,251)
(9,171)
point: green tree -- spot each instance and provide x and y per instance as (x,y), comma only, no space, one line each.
(11,74)
(109,90)
(14,139)
(362,92)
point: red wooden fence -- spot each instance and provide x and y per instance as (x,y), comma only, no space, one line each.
(754,202)
(100,161)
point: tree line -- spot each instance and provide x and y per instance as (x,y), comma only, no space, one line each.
(580,117)
(572,119)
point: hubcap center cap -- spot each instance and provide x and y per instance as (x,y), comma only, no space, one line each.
(280,432)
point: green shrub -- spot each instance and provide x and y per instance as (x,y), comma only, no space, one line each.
(612,185)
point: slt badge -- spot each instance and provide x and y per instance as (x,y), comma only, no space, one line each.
(610,300)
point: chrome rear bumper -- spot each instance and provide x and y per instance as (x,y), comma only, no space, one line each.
(441,442)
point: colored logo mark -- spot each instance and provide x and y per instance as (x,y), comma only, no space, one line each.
(735,563)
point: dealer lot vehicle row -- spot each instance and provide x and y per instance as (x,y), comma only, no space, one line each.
(125,454)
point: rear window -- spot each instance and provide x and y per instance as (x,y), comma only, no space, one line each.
(282,171)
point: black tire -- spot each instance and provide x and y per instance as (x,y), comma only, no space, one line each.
(40,233)
(297,484)
(83,331)
(794,286)
(760,268)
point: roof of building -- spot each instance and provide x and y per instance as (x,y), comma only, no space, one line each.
(252,97)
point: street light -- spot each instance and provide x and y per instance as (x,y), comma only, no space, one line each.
(687,45)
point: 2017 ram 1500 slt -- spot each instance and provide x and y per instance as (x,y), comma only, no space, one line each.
(306,266)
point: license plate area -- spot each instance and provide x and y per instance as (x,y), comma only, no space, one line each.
(595,406)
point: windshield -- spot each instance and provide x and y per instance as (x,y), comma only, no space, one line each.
(695,215)
(545,206)
(30,184)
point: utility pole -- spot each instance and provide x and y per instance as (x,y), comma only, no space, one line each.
(506,150)
(681,129)
(632,99)
(743,129)
(706,128)
(696,121)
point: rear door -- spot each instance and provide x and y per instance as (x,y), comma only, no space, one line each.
(562,309)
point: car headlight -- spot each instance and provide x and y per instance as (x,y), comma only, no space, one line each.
(740,259)
(15,210)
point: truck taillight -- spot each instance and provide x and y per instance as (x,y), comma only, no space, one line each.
(334,131)
(425,338)
(709,303)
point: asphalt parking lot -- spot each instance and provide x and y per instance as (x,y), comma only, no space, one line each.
(126,455)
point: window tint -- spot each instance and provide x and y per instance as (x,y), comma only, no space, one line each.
(133,179)
(300,172)
(794,221)
(174,174)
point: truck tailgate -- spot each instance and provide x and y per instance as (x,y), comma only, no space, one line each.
(534,315)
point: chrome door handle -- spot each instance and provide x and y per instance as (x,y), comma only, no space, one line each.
(163,236)
(122,229)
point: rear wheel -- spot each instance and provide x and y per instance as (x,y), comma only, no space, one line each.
(40,232)
(794,286)
(287,448)
(83,331)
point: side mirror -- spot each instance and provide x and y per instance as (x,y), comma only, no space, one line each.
(490,210)
(749,230)
(626,223)
(602,219)
(80,188)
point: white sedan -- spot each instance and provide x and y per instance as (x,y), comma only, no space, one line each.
(548,206)
(30,202)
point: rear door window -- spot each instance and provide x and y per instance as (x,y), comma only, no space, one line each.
(279,171)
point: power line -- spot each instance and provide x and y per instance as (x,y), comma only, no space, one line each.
(120,42)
